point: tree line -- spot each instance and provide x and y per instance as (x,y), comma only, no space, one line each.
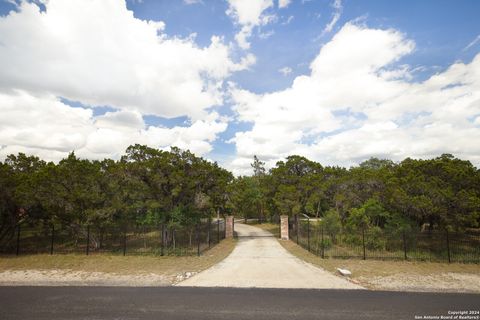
(412,195)
(151,187)
(145,187)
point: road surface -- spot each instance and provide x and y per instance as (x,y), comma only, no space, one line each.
(52,303)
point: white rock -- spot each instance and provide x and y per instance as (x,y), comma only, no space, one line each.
(344,272)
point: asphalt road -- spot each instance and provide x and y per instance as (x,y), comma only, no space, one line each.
(223,303)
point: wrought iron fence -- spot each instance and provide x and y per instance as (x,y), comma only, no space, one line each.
(131,240)
(375,243)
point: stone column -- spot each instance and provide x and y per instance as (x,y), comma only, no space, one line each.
(284,227)
(229,227)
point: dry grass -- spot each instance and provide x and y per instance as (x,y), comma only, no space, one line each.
(376,274)
(128,265)
(270,227)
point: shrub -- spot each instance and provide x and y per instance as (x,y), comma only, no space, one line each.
(374,239)
(332,223)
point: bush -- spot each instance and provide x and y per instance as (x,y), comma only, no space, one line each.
(374,239)
(327,243)
(353,239)
(332,223)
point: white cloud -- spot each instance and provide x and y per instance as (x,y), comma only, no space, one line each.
(358,102)
(189,2)
(248,14)
(471,44)
(266,35)
(98,53)
(44,126)
(283,3)
(14,2)
(338,8)
(289,19)
(285,71)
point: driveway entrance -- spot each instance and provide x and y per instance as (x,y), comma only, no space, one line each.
(258,260)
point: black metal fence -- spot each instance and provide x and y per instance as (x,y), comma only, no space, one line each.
(131,240)
(376,243)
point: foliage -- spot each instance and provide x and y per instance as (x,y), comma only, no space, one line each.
(332,223)
(145,187)
(149,186)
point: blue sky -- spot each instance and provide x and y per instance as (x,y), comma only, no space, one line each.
(421,39)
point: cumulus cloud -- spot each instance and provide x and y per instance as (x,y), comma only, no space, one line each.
(98,53)
(358,102)
(44,126)
(248,15)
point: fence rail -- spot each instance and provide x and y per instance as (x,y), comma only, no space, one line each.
(131,240)
(383,245)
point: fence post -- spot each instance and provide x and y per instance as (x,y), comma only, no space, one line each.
(162,245)
(125,242)
(88,239)
(229,226)
(52,240)
(297,226)
(308,234)
(218,230)
(208,233)
(197,235)
(323,245)
(18,240)
(404,245)
(448,246)
(284,227)
(363,243)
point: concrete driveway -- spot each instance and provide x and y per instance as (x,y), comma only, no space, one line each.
(258,260)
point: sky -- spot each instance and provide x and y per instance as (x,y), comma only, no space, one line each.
(335,81)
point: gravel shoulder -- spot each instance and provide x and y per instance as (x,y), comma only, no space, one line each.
(81,278)
(260,261)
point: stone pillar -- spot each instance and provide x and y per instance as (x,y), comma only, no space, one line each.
(229,227)
(284,227)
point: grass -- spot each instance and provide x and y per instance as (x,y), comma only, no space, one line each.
(270,227)
(364,270)
(123,265)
